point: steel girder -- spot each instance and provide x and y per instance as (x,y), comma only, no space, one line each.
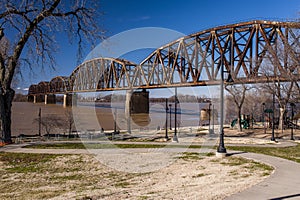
(103,74)
(251,52)
(59,84)
(33,89)
(43,87)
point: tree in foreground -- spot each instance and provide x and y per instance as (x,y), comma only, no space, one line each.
(27,35)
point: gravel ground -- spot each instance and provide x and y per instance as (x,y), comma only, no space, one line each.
(185,176)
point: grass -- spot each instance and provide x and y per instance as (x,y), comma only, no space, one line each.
(44,176)
(199,175)
(104,146)
(290,153)
(249,164)
(24,163)
(190,156)
(30,175)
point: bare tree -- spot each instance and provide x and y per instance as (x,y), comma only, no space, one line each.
(31,27)
(253,104)
(238,94)
(50,123)
(284,91)
(69,120)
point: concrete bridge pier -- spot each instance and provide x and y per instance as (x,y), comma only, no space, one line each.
(38,98)
(30,98)
(128,109)
(50,99)
(139,102)
(69,100)
(135,103)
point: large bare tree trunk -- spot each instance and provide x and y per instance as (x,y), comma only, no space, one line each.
(6,98)
(281,118)
(239,120)
(29,26)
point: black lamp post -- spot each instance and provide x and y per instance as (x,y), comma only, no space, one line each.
(175,138)
(40,121)
(292,127)
(170,106)
(166,126)
(273,118)
(221,148)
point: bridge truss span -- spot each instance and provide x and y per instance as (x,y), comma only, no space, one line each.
(103,74)
(60,84)
(251,52)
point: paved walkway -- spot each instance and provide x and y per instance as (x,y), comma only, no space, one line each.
(284,183)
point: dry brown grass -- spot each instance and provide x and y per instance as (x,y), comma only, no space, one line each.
(32,176)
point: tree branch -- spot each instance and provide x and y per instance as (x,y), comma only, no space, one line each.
(20,45)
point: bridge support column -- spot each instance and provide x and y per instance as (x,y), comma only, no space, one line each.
(128,109)
(69,100)
(139,102)
(38,98)
(30,98)
(135,103)
(50,99)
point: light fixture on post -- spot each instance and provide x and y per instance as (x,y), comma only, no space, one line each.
(221,151)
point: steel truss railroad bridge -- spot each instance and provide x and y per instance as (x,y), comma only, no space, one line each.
(251,52)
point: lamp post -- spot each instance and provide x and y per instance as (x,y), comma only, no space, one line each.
(273,118)
(213,119)
(175,138)
(209,110)
(115,125)
(170,106)
(166,126)
(40,121)
(292,128)
(221,148)
(263,117)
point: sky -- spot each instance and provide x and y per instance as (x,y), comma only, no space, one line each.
(187,17)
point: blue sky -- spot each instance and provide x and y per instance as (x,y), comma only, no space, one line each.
(187,16)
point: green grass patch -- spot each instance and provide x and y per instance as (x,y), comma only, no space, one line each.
(261,166)
(234,161)
(122,184)
(190,156)
(199,175)
(105,146)
(24,163)
(65,178)
(249,164)
(290,153)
